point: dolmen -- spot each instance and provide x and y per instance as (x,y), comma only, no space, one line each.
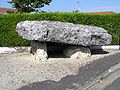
(74,38)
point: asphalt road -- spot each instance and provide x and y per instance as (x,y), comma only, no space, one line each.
(85,75)
(113,86)
(107,81)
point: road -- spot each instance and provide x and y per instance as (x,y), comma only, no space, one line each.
(113,86)
(110,80)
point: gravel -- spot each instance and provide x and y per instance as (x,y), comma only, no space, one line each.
(19,69)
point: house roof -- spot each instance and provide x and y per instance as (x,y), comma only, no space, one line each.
(107,12)
(4,10)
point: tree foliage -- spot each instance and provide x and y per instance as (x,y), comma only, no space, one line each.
(28,6)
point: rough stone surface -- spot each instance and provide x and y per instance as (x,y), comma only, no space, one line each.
(77,52)
(41,55)
(63,32)
(37,45)
(39,51)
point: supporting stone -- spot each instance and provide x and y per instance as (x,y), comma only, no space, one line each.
(77,52)
(39,51)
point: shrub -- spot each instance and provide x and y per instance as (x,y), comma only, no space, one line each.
(9,37)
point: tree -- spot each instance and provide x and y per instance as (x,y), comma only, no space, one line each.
(28,6)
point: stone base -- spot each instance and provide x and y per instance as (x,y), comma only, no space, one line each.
(39,51)
(77,52)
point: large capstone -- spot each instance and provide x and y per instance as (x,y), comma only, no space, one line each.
(63,32)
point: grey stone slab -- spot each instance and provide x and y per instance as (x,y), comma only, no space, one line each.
(63,32)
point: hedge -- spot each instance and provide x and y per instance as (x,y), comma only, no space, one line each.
(9,37)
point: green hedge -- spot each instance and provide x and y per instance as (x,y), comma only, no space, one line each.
(9,37)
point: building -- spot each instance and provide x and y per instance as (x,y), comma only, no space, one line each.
(6,10)
(107,12)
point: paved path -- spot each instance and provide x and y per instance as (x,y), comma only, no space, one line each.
(113,86)
(85,75)
(107,81)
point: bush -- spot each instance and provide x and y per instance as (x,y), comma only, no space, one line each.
(9,37)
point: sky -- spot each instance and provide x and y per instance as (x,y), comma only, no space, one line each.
(71,5)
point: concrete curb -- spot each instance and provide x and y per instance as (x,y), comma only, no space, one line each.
(108,47)
(14,49)
(27,49)
(104,75)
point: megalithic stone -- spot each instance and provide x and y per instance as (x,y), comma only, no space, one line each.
(63,32)
(79,37)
